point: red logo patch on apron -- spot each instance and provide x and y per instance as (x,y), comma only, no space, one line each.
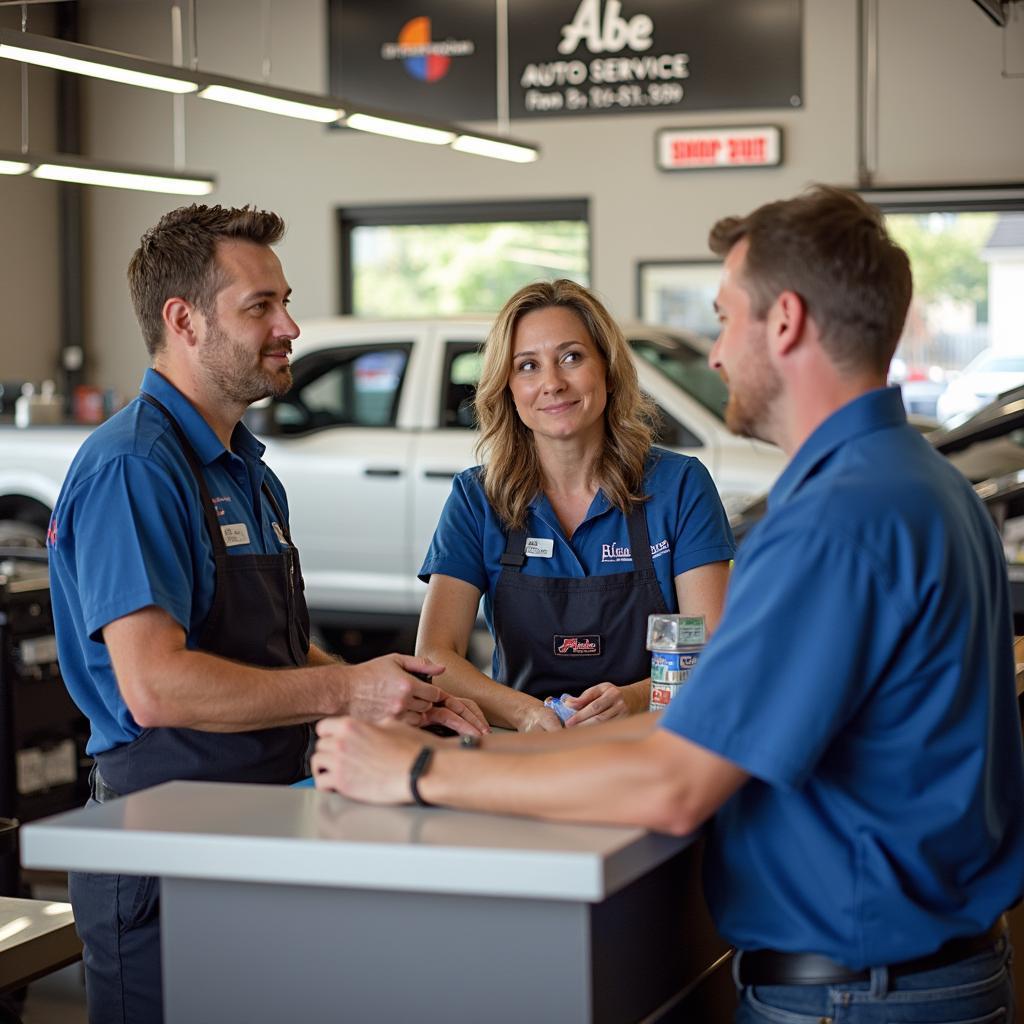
(578,646)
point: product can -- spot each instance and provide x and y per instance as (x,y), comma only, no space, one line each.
(675,643)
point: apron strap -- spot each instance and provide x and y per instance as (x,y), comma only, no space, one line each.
(216,537)
(514,557)
(639,538)
(281,521)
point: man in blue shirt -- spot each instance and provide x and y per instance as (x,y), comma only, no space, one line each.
(181,624)
(852,725)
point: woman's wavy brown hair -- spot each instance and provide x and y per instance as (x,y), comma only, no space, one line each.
(511,475)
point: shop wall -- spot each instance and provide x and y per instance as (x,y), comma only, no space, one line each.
(946,115)
(30,328)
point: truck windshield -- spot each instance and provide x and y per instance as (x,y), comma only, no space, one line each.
(685,363)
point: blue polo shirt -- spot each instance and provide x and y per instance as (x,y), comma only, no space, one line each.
(128,532)
(863,675)
(686,523)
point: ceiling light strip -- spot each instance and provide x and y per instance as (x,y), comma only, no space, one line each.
(325,112)
(84,171)
(110,65)
(93,62)
(397,129)
(498,149)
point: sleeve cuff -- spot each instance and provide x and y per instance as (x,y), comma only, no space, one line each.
(755,761)
(128,603)
(693,559)
(460,571)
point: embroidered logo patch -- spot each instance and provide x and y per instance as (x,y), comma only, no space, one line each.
(578,646)
(619,553)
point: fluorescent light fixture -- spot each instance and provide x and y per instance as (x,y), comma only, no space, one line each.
(14,167)
(112,66)
(274,101)
(400,129)
(94,62)
(482,146)
(80,171)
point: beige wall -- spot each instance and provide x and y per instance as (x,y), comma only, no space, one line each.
(30,327)
(946,115)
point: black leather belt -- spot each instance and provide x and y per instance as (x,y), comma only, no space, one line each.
(769,967)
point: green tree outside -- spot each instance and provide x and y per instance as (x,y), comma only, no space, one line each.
(448,269)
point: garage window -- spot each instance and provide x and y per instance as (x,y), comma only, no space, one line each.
(443,260)
(962,341)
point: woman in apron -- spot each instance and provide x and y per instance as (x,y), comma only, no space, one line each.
(575,528)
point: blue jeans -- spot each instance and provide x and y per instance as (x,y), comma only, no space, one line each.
(977,990)
(117,917)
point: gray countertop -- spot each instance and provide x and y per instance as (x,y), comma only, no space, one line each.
(303,837)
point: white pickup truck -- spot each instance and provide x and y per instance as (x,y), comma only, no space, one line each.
(368,440)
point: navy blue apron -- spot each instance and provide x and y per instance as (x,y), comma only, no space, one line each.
(258,617)
(558,635)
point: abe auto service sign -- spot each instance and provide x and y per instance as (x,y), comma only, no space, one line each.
(573,57)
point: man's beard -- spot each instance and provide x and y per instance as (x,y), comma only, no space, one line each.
(748,410)
(230,367)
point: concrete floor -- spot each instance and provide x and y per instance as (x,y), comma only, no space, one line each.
(59,998)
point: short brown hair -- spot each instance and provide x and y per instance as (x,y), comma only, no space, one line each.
(833,250)
(178,258)
(512,471)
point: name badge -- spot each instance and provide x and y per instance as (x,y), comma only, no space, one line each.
(540,547)
(235,534)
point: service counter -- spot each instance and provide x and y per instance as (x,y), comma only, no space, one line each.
(291,905)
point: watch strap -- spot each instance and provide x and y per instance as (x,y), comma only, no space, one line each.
(419,768)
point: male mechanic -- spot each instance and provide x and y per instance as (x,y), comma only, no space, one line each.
(178,601)
(853,724)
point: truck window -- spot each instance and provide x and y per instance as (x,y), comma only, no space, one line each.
(344,387)
(462,371)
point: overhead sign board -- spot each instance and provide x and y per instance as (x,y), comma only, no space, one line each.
(431,58)
(439,58)
(690,149)
(579,57)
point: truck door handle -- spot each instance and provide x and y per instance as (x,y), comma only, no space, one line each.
(381,471)
(441,474)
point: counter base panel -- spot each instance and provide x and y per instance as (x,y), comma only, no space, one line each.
(264,953)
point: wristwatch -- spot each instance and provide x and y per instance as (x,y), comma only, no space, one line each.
(419,767)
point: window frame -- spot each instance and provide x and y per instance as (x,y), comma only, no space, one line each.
(349,218)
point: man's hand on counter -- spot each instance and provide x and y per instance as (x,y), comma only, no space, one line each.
(367,761)
(626,772)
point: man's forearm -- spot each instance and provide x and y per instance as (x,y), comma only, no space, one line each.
(621,783)
(317,656)
(195,690)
